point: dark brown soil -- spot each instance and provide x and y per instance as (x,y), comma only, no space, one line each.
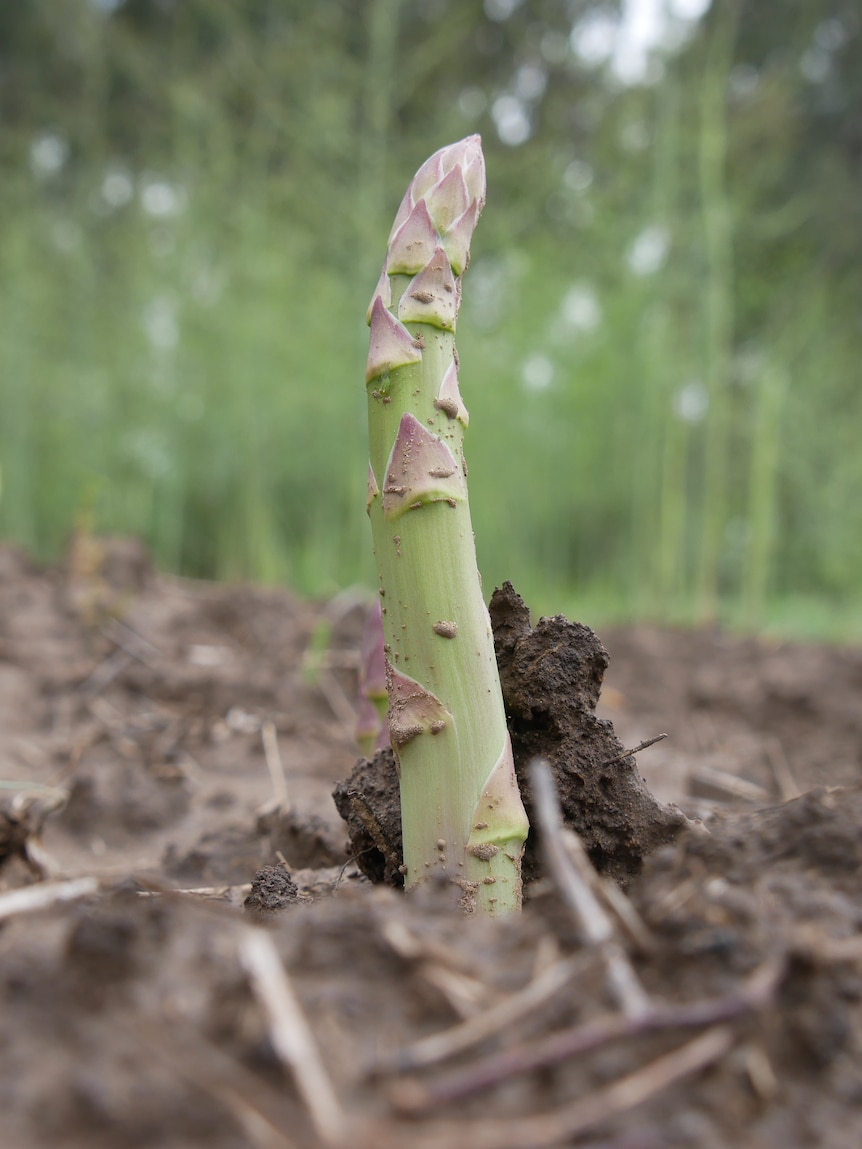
(178,743)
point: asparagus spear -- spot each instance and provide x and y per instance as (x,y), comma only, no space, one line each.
(461,809)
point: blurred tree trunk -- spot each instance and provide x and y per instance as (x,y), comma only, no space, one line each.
(382,18)
(718,302)
(763,492)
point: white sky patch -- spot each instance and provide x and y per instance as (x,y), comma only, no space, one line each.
(537,373)
(690,9)
(815,65)
(512,120)
(691,402)
(628,42)
(500,10)
(649,251)
(118,188)
(641,32)
(594,38)
(580,310)
(161,199)
(578,175)
(531,81)
(48,154)
(161,324)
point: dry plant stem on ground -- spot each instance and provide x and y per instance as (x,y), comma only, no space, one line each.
(557,1126)
(290,1034)
(572,873)
(33,898)
(461,810)
(441,1046)
(755,994)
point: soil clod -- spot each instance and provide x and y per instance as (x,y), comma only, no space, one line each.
(552,676)
(370,803)
(272,888)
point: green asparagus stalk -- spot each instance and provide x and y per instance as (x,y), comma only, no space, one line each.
(461,809)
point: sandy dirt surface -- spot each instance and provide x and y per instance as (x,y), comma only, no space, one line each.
(190,957)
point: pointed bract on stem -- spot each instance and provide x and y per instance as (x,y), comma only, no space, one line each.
(413,710)
(432,296)
(461,810)
(421,469)
(392,345)
(414,243)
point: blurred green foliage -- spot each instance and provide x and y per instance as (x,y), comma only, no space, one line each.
(661,334)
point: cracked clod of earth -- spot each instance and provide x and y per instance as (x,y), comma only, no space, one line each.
(551,676)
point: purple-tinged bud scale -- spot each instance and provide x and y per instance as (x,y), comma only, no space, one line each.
(432,296)
(421,470)
(414,243)
(448,200)
(413,710)
(392,345)
(458,238)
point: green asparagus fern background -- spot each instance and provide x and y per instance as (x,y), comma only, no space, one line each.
(662,331)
